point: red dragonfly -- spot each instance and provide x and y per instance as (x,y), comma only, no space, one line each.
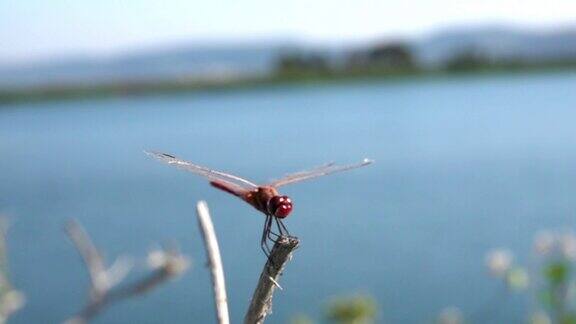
(265,198)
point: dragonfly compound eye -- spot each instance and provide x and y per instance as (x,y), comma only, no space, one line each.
(280,206)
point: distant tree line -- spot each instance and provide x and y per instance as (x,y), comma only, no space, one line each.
(394,58)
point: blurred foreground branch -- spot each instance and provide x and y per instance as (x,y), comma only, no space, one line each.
(166,264)
(11,300)
(214,262)
(261,304)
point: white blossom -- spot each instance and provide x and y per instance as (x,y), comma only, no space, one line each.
(544,243)
(568,246)
(499,262)
(451,315)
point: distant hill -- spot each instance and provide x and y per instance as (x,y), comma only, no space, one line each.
(498,42)
(203,62)
(216,62)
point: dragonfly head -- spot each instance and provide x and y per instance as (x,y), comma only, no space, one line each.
(280,206)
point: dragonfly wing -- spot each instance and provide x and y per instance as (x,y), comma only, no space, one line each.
(300,174)
(200,170)
(318,172)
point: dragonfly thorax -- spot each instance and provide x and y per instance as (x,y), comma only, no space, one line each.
(280,206)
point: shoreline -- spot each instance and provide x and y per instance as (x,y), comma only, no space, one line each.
(148,88)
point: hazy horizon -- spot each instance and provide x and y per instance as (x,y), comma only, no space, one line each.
(272,39)
(35,30)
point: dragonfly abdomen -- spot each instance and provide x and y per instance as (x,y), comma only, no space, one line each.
(227,188)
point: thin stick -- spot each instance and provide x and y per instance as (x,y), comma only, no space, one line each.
(103,288)
(11,300)
(214,262)
(90,255)
(261,304)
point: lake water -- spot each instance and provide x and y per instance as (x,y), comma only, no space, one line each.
(463,165)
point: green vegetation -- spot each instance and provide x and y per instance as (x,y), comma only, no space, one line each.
(353,309)
(381,61)
(551,277)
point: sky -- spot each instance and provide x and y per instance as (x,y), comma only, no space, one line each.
(33,29)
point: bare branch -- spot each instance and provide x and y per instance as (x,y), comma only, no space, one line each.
(261,304)
(174,265)
(167,264)
(11,300)
(214,262)
(90,255)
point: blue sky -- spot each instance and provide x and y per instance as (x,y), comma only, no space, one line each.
(44,28)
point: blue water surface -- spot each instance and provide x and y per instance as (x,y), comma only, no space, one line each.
(463,165)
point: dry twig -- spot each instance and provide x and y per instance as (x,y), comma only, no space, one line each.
(167,264)
(261,304)
(214,262)
(11,300)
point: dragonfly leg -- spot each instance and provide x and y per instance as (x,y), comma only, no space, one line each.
(281,227)
(273,236)
(268,236)
(270,231)
(265,235)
